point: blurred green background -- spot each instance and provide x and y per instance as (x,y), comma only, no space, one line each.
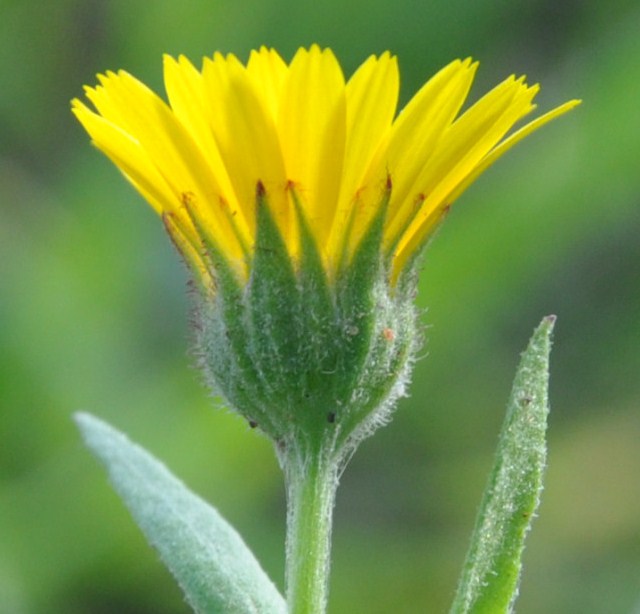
(93,314)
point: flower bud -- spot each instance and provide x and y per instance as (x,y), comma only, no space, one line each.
(313,361)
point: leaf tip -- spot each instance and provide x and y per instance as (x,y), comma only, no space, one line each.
(544,330)
(84,421)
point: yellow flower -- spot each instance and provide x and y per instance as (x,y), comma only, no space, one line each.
(300,202)
(322,149)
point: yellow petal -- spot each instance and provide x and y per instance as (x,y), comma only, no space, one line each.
(413,139)
(509,142)
(300,130)
(246,135)
(172,149)
(464,145)
(179,231)
(185,91)
(434,210)
(372,96)
(128,156)
(312,126)
(422,122)
(268,72)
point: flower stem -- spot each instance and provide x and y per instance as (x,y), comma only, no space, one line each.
(311,486)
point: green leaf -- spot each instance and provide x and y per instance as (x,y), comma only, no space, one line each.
(216,570)
(489,582)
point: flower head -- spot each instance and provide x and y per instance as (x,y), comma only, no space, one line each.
(300,201)
(308,136)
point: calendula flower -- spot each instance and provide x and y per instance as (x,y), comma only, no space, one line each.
(300,201)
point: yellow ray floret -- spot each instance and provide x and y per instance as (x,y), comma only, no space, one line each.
(227,127)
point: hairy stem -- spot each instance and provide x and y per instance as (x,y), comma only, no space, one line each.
(311,485)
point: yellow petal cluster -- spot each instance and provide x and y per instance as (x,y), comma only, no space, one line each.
(304,133)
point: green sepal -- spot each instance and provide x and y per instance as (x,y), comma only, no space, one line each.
(378,333)
(218,316)
(265,345)
(489,581)
(356,295)
(314,359)
(214,567)
(320,353)
(271,310)
(319,312)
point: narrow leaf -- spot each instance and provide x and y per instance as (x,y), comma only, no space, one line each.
(216,570)
(489,582)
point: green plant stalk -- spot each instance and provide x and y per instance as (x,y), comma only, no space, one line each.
(311,487)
